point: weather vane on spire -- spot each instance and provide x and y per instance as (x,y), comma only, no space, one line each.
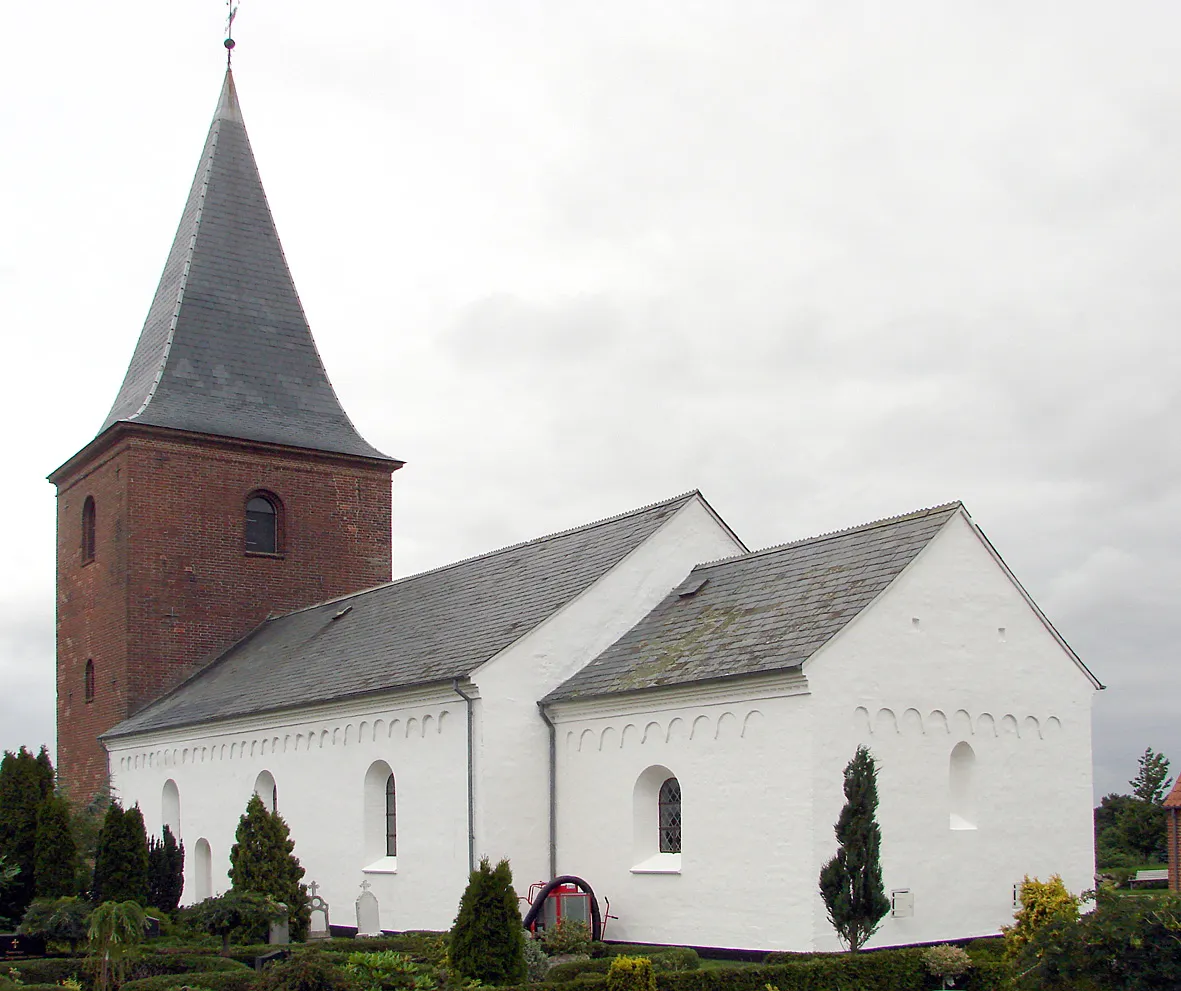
(229,42)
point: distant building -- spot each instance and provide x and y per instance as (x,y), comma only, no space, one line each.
(639,701)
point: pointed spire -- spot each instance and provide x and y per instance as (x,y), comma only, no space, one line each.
(226,348)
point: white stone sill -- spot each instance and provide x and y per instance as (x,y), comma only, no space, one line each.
(659,863)
(386,865)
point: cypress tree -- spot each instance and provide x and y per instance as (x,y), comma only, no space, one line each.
(487,939)
(166,871)
(121,859)
(25,782)
(263,861)
(851,883)
(55,851)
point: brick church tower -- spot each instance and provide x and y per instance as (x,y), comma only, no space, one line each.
(227,482)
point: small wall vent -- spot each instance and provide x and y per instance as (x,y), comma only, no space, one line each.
(902,903)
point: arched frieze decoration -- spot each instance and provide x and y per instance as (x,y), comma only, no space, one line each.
(912,722)
(701,728)
(861,721)
(324,737)
(348,734)
(653,733)
(1053,727)
(630,736)
(412,729)
(937,721)
(444,718)
(961,723)
(676,731)
(985,725)
(1032,729)
(607,739)
(885,723)
(727,727)
(336,735)
(378,730)
(184,756)
(262,750)
(298,742)
(233,751)
(363,731)
(397,730)
(428,725)
(569,741)
(1009,725)
(752,725)
(585,739)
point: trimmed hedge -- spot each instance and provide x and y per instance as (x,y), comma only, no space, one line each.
(225,980)
(560,973)
(883,970)
(157,965)
(987,975)
(49,970)
(674,959)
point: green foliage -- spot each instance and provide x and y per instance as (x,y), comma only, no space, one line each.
(851,883)
(58,920)
(487,940)
(235,911)
(569,970)
(1041,902)
(568,936)
(25,782)
(307,971)
(1129,832)
(86,823)
(263,860)
(1151,783)
(121,857)
(166,871)
(947,962)
(876,970)
(116,930)
(55,855)
(238,980)
(631,974)
(1125,943)
(388,970)
(536,961)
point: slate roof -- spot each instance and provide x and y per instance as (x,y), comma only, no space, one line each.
(760,612)
(226,348)
(428,628)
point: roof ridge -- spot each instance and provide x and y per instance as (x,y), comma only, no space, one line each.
(683,497)
(833,534)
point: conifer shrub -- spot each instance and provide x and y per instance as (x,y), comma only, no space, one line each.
(55,853)
(121,857)
(25,782)
(487,940)
(262,860)
(166,871)
(57,921)
(631,974)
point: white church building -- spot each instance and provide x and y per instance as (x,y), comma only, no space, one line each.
(645,704)
(641,702)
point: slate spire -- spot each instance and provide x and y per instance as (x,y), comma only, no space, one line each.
(226,349)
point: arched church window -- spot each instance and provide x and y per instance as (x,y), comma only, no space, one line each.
(266,789)
(961,786)
(670,816)
(88,682)
(88,530)
(391,818)
(262,524)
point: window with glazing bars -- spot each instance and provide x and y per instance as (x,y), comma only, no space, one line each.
(391,819)
(670,816)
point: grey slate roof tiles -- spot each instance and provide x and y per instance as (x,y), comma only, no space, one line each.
(226,348)
(760,612)
(428,628)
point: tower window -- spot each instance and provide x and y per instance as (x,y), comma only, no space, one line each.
(88,682)
(670,816)
(88,530)
(262,524)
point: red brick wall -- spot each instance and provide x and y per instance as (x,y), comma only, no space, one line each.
(171,585)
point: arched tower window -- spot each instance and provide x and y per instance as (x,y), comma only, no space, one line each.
(670,816)
(266,789)
(88,530)
(961,786)
(262,523)
(88,682)
(391,818)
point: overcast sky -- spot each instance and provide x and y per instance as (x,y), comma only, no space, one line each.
(825,261)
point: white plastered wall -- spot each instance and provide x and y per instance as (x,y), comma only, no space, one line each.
(741,752)
(512,760)
(319,759)
(952,652)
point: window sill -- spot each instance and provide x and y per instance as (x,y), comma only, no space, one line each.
(959,824)
(659,863)
(275,554)
(386,865)
(86,561)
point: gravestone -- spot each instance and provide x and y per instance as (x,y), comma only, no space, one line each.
(318,928)
(280,931)
(16,947)
(368,919)
(151,928)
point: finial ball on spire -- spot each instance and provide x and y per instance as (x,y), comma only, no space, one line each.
(229,43)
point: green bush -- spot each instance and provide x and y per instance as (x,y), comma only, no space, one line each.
(305,972)
(156,965)
(536,961)
(57,920)
(987,975)
(675,958)
(263,861)
(50,970)
(568,936)
(876,970)
(560,973)
(230,980)
(487,940)
(631,974)
(388,970)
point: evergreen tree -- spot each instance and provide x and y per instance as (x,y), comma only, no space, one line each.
(263,861)
(25,782)
(1151,783)
(121,859)
(55,853)
(166,871)
(851,883)
(487,939)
